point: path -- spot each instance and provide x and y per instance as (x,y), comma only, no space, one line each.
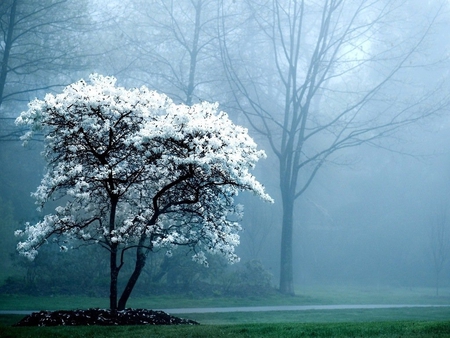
(296,308)
(271,308)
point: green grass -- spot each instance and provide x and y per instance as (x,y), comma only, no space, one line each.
(322,316)
(398,322)
(313,316)
(305,296)
(24,302)
(411,329)
(375,295)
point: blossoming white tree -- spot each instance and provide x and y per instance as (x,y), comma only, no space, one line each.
(133,170)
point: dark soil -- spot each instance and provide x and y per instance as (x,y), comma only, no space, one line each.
(102,317)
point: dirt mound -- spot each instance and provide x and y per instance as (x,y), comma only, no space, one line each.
(102,317)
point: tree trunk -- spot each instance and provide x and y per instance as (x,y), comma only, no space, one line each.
(286,269)
(114,270)
(141,257)
(113,276)
(7,49)
(193,54)
(437,284)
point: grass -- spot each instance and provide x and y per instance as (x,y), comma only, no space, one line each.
(305,296)
(411,329)
(398,322)
(376,295)
(322,316)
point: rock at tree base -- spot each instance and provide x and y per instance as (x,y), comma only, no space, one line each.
(102,317)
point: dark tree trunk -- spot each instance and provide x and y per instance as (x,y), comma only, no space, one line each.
(141,258)
(114,269)
(114,277)
(286,268)
(7,49)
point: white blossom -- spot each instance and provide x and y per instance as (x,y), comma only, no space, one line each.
(172,169)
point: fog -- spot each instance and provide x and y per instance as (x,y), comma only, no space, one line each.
(373,206)
(366,223)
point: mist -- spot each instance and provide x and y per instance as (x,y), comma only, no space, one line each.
(372,188)
(369,223)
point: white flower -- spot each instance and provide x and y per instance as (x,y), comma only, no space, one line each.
(173,170)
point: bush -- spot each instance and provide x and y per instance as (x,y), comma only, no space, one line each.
(75,272)
(52,272)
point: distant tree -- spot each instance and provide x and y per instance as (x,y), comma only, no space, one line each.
(318,77)
(135,171)
(174,47)
(440,244)
(40,44)
(7,224)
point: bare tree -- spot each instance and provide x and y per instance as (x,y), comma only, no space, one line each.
(39,46)
(318,77)
(174,47)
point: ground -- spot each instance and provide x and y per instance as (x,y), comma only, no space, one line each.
(102,317)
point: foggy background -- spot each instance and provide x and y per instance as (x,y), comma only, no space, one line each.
(368,218)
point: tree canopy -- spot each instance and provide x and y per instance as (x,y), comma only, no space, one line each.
(132,169)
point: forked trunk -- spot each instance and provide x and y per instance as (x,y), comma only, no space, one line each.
(141,257)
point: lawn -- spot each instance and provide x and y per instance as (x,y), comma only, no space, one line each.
(410,329)
(397,322)
(306,295)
